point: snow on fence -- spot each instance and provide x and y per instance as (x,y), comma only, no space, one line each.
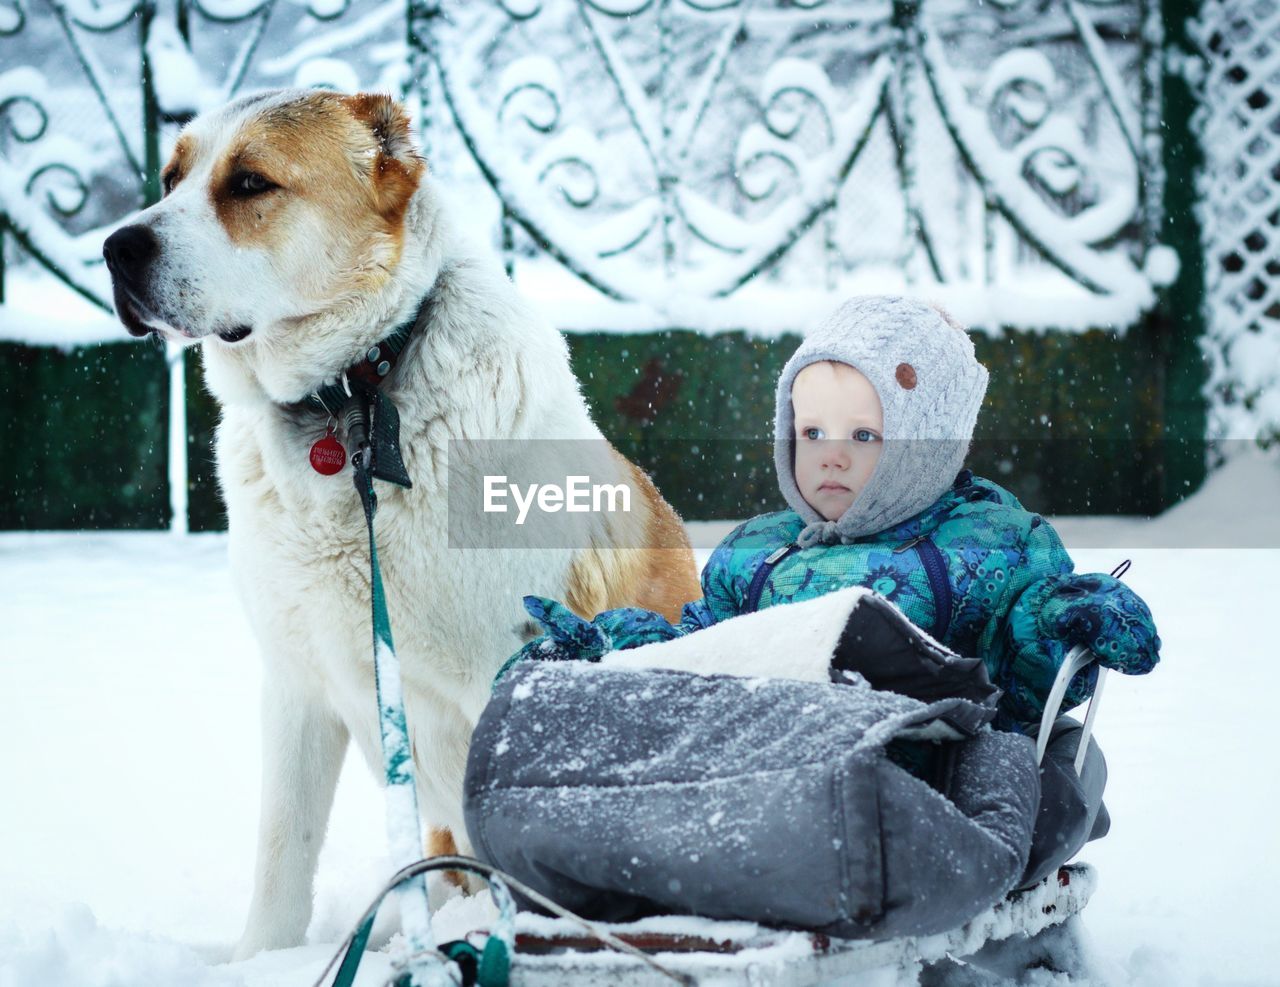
(738,165)
(712,165)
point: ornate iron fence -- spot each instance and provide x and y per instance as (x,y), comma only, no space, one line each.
(82,152)
(677,155)
(692,150)
(715,165)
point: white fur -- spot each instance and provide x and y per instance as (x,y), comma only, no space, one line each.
(486,366)
(202,282)
(792,641)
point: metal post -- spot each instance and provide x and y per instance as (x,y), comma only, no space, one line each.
(667,177)
(906,29)
(419,15)
(508,243)
(175,356)
(150,112)
(177,364)
(1151,60)
(1181,326)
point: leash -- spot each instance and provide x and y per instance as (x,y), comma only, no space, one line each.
(490,966)
(372,426)
(427,966)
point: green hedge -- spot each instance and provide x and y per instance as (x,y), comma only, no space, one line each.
(1073,423)
(85,436)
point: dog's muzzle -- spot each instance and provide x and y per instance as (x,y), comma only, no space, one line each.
(129,252)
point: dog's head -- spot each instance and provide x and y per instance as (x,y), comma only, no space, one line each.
(276,207)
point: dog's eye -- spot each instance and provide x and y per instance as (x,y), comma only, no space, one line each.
(251,183)
(169,180)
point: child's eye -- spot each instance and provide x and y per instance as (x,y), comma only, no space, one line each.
(813,432)
(865,435)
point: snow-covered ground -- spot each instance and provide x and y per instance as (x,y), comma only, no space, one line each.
(129,764)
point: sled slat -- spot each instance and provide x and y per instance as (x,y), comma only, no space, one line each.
(650,942)
(787,959)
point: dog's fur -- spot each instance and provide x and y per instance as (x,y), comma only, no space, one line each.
(325,258)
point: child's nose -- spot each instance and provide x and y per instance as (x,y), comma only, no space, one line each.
(837,454)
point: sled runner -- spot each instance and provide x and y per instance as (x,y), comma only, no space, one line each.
(793,959)
(564,952)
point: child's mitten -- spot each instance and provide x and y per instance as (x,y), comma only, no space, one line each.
(1104,615)
(570,637)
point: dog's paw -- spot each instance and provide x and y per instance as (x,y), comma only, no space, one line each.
(281,935)
(245,951)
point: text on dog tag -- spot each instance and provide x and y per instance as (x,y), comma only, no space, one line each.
(327,455)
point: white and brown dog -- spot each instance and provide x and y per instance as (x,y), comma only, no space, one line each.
(298,229)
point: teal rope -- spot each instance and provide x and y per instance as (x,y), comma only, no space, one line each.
(492,962)
(396,755)
(503,935)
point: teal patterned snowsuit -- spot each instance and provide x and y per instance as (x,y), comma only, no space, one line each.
(981,574)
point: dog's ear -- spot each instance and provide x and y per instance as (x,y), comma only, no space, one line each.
(398,166)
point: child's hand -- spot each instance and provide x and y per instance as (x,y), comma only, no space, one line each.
(1106,616)
(572,636)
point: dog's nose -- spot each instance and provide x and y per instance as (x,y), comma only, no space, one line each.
(128,251)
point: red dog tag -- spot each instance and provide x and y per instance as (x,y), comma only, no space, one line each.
(327,455)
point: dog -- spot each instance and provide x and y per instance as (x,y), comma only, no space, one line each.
(297,231)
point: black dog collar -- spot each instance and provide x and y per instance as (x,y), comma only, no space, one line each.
(372,369)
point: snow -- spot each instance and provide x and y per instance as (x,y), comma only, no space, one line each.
(10,19)
(1021,65)
(25,84)
(577,157)
(100,17)
(337,39)
(128,726)
(25,203)
(596,193)
(1162,265)
(795,76)
(230,9)
(1112,84)
(78,952)
(1067,239)
(764,308)
(532,75)
(328,73)
(1237,196)
(179,86)
(31,293)
(69,253)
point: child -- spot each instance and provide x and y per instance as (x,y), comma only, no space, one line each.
(874,415)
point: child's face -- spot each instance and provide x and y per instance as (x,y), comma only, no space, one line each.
(839,435)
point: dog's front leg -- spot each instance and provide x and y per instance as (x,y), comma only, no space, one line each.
(303,745)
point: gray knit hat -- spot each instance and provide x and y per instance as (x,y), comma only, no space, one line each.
(930,386)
